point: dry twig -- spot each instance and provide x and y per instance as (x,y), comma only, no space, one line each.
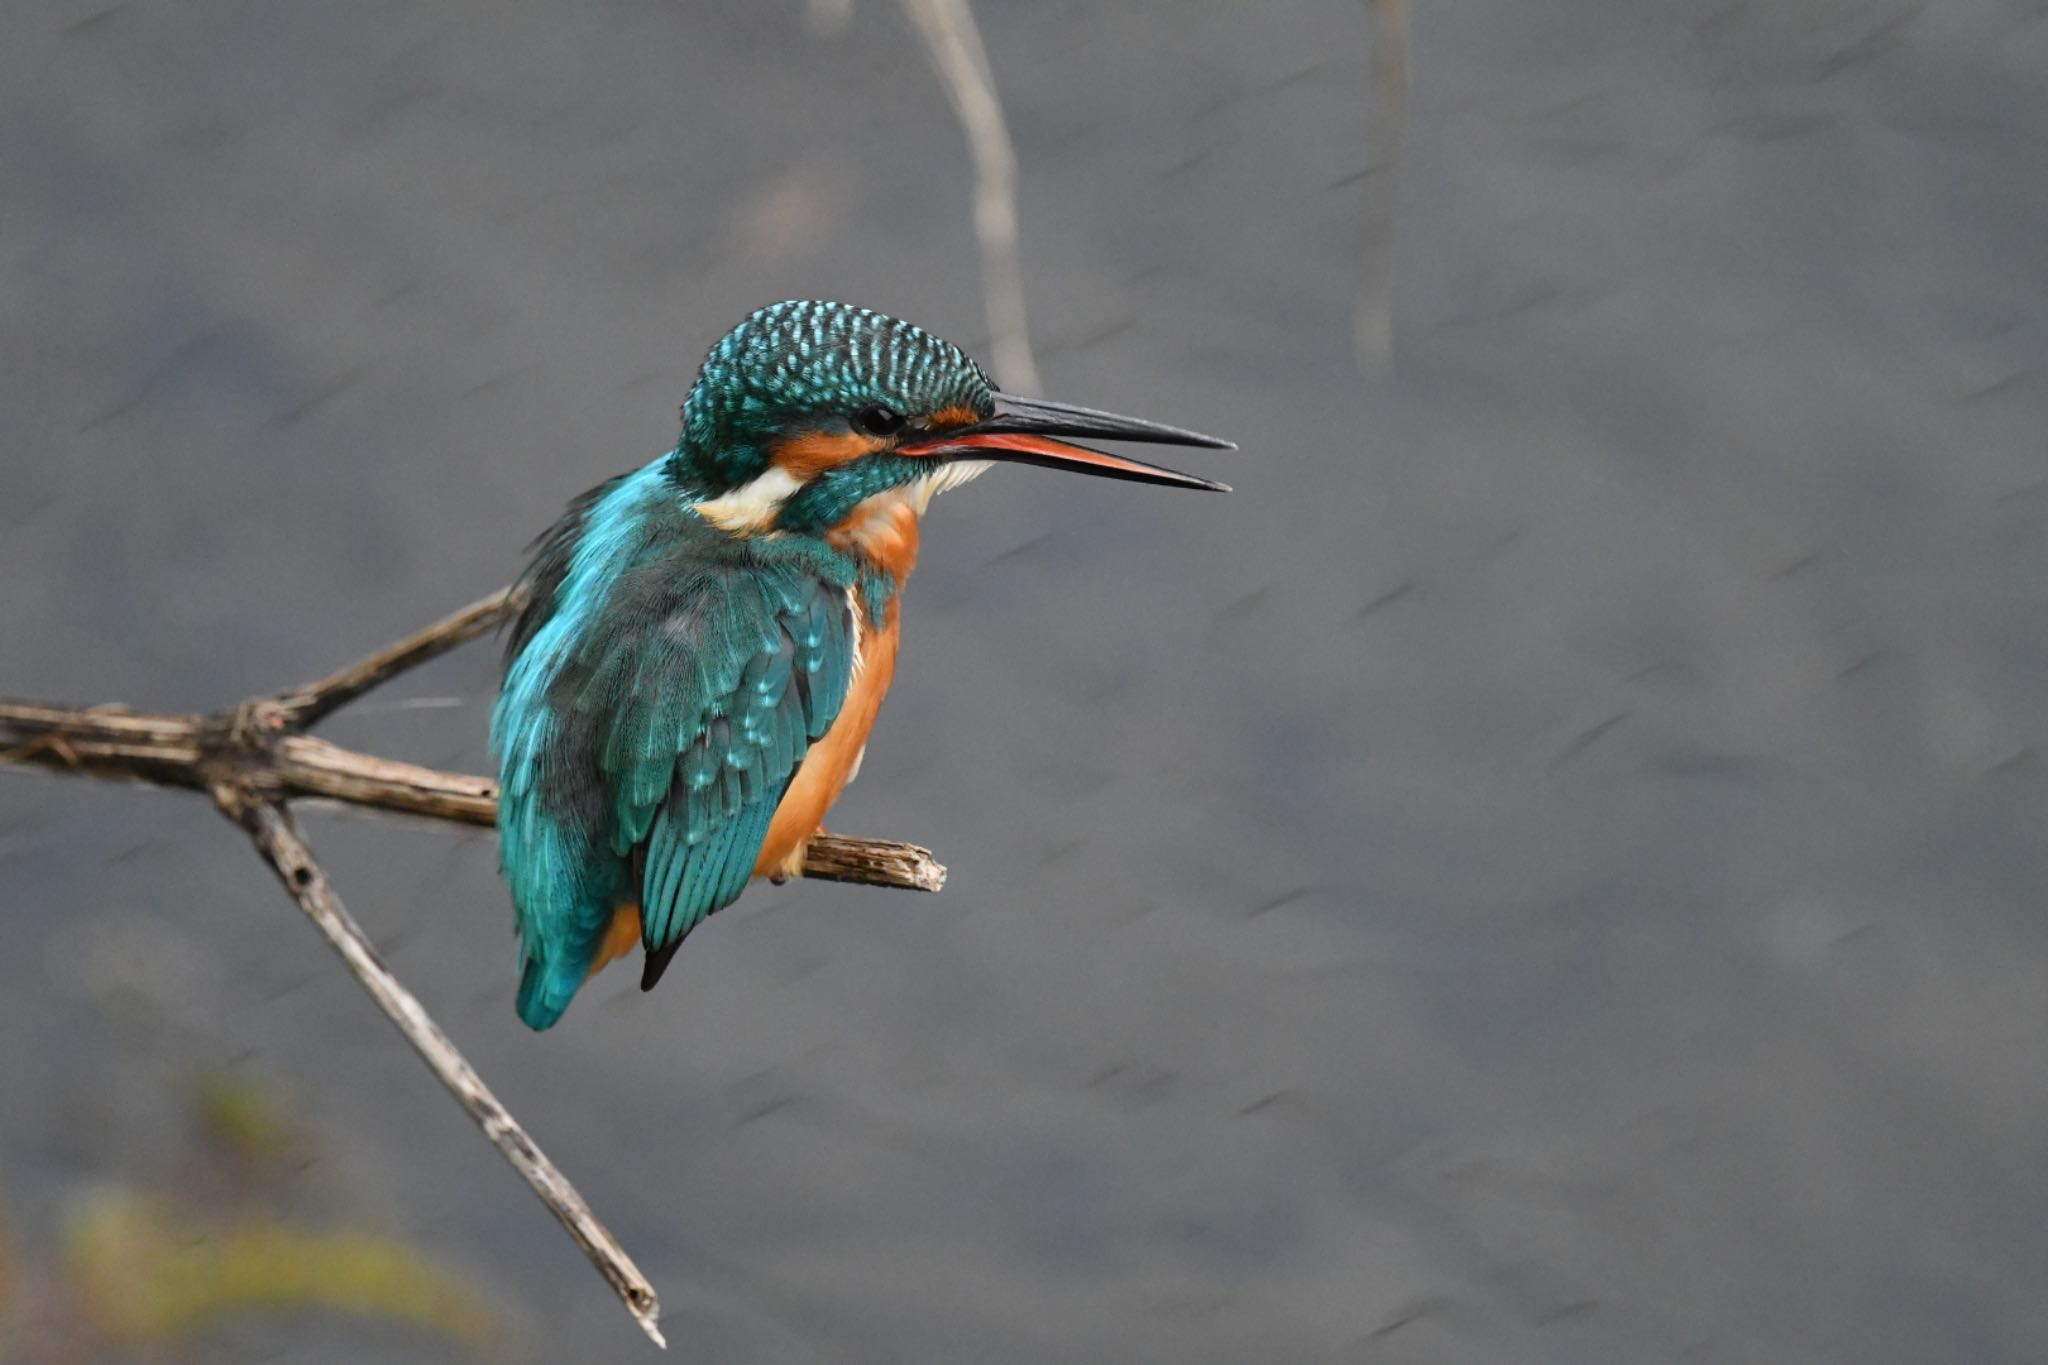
(253,757)
(953,42)
(276,838)
(1388,123)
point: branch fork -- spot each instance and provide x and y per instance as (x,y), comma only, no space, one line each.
(255,756)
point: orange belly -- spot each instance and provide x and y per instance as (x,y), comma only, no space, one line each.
(829,764)
(885,534)
(621,936)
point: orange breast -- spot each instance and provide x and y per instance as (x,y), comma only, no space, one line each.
(830,762)
(883,532)
(823,774)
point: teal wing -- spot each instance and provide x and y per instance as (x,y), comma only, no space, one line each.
(649,724)
(697,820)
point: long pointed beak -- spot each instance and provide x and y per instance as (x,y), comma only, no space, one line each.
(1027,431)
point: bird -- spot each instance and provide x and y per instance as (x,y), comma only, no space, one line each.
(705,641)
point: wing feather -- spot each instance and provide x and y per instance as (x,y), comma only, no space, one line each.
(661,692)
(701,833)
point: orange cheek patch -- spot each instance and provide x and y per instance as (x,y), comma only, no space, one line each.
(808,455)
(954,417)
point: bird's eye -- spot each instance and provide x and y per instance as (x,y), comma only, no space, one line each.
(879,421)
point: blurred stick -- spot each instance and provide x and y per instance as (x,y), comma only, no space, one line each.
(1387,127)
(953,43)
(254,756)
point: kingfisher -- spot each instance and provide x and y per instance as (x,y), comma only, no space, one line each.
(706,641)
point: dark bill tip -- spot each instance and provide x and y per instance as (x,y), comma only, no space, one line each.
(1043,417)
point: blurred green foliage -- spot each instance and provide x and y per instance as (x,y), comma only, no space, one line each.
(139,1268)
(243,1120)
(151,1275)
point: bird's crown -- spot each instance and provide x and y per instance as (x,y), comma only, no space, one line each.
(807,410)
(811,362)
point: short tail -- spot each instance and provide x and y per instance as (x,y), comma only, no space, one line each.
(545,990)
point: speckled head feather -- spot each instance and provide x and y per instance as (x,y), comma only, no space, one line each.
(807,359)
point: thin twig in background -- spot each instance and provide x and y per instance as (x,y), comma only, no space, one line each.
(953,43)
(1387,126)
(253,757)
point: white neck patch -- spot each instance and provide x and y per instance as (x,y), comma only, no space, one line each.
(754,505)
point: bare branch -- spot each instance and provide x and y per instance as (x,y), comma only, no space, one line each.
(175,751)
(312,767)
(873,862)
(283,848)
(253,757)
(306,705)
(953,43)
(1387,124)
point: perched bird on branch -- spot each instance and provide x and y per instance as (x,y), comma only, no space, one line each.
(707,640)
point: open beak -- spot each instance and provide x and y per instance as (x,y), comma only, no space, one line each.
(1027,431)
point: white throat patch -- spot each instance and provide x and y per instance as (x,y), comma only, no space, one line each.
(754,505)
(945,478)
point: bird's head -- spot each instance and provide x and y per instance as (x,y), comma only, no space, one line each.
(808,409)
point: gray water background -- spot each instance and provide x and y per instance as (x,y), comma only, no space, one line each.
(1550,870)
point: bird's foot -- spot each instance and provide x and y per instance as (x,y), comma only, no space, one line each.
(783,874)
